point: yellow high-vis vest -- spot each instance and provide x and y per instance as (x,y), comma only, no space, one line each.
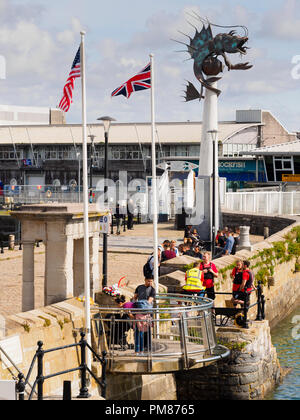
(193,280)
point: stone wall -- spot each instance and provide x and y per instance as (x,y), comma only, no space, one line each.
(251,371)
(141,387)
(56,325)
(257,222)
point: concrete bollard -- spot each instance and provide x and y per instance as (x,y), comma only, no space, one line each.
(244,239)
(11,242)
(266,232)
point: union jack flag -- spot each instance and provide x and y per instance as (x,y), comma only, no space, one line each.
(139,82)
(75,72)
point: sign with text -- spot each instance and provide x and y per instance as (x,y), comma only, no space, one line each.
(104,223)
(291,178)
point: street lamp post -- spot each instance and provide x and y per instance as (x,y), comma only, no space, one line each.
(214,201)
(106,123)
(92,137)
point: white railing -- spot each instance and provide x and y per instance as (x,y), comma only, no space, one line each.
(266,202)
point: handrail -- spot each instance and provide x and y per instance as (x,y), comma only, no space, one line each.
(260,303)
(83,368)
(177,333)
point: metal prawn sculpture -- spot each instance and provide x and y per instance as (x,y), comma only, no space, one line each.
(204,49)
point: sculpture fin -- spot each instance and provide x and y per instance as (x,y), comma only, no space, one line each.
(192,93)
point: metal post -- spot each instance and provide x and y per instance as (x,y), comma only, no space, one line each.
(112,225)
(40,376)
(263,306)
(20,387)
(183,333)
(213,204)
(104,269)
(104,364)
(84,392)
(67,391)
(259,314)
(246,322)
(79,174)
(124,223)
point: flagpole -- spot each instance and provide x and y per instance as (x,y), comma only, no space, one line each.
(154,186)
(85,205)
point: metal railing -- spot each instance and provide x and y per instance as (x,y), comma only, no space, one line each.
(35,194)
(178,328)
(83,368)
(222,315)
(267,202)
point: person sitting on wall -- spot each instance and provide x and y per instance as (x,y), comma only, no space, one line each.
(228,244)
(167,253)
(197,252)
(220,239)
(188,250)
(174,248)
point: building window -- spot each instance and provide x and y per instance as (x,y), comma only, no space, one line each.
(10,154)
(60,153)
(234,149)
(125,153)
(282,165)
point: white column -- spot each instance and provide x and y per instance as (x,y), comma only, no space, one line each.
(58,263)
(28,276)
(209,123)
(207,159)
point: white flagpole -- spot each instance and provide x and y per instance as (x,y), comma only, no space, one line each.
(154,187)
(85,206)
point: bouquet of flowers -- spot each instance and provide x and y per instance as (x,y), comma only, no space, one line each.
(114,290)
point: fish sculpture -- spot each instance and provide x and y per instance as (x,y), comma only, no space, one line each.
(205,49)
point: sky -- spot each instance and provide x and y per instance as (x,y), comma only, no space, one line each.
(39,40)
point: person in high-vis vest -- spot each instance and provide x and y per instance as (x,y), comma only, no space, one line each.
(194,279)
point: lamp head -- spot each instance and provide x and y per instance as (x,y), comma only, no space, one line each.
(106,122)
(214,134)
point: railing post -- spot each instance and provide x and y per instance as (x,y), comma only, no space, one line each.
(104,364)
(183,333)
(263,306)
(67,391)
(259,308)
(20,387)
(40,376)
(246,307)
(112,225)
(84,392)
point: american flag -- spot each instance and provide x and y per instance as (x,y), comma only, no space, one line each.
(66,100)
(139,82)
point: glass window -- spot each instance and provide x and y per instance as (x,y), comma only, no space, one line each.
(287,164)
